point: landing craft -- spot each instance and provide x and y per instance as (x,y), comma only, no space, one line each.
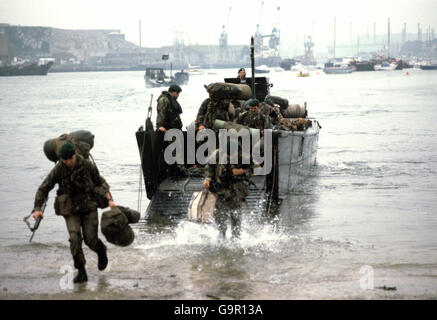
(294,153)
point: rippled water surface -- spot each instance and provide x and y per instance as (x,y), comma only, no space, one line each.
(365,216)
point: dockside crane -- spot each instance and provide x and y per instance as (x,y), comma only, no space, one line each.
(223,42)
(274,40)
(258,38)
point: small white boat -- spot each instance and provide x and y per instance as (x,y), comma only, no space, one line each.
(262,69)
(194,70)
(385,66)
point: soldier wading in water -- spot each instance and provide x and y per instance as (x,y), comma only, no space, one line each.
(81,188)
(231,184)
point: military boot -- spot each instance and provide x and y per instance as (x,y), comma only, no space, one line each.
(81,276)
(103,259)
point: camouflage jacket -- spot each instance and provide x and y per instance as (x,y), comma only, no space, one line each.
(78,183)
(168,112)
(221,174)
(256,121)
(212,110)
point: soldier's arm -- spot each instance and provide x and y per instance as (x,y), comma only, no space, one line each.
(96,177)
(240,119)
(162,111)
(209,171)
(100,181)
(46,186)
(200,119)
(247,171)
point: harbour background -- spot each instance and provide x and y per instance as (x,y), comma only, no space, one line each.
(369,204)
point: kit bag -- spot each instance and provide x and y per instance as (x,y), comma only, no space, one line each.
(201,207)
(222,90)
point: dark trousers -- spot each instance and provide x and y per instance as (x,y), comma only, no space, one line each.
(85,224)
(228,207)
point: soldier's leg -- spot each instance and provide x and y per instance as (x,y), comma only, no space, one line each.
(73,223)
(236,223)
(90,225)
(220,217)
(240,191)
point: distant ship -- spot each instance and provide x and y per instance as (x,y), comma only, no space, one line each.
(156,77)
(429,67)
(336,68)
(364,65)
(33,69)
(287,63)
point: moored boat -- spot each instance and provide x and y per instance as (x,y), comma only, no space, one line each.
(194,70)
(385,66)
(429,66)
(32,69)
(286,64)
(156,77)
(363,65)
(262,69)
(334,68)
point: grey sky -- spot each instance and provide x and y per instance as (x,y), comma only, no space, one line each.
(201,21)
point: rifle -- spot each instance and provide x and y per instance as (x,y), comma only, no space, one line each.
(37,222)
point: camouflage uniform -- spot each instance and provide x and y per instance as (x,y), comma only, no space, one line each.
(252,120)
(273,112)
(231,192)
(169,111)
(79,184)
(168,116)
(212,110)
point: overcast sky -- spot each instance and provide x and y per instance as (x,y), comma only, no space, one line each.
(201,21)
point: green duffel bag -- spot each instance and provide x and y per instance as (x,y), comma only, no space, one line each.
(114,226)
(222,90)
(83,141)
(131,215)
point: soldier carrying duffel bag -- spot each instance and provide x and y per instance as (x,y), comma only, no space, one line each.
(115,225)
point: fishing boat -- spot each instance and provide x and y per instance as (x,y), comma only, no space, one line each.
(32,69)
